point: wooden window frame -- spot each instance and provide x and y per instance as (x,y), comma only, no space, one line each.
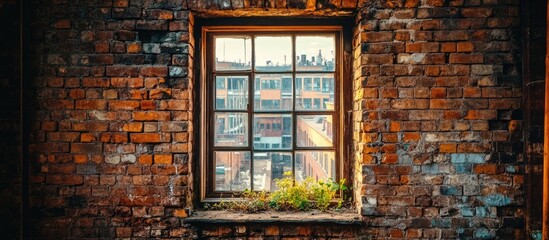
(341,113)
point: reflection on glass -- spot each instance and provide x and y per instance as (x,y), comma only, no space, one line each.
(272,131)
(320,165)
(273,53)
(231,92)
(273,92)
(233,53)
(232,171)
(231,129)
(315,53)
(269,166)
(314,91)
(314,131)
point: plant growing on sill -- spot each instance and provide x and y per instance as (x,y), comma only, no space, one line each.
(291,195)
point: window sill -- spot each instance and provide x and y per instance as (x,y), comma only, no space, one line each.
(310,217)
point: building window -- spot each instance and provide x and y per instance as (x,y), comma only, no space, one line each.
(283,108)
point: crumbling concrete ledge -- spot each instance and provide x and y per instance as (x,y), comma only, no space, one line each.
(271,217)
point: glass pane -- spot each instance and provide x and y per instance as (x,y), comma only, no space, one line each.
(232,171)
(269,166)
(231,92)
(273,92)
(272,131)
(315,53)
(315,131)
(273,53)
(231,129)
(320,165)
(314,91)
(233,53)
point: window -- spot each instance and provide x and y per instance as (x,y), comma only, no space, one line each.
(284,110)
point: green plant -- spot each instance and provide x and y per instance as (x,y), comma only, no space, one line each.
(290,196)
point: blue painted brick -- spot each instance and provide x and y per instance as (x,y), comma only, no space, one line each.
(463,168)
(450,190)
(483,233)
(496,200)
(430,169)
(441,222)
(467,212)
(467,158)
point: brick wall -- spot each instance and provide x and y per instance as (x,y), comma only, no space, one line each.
(438,123)
(437,117)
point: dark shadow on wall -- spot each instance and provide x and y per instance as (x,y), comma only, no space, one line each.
(10,177)
(534,45)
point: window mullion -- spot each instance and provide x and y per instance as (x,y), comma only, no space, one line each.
(251,101)
(294,117)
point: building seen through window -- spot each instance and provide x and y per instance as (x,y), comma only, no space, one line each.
(274,109)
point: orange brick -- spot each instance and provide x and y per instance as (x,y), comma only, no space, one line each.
(481,114)
(132,127)
(180,213)
(368,159)
(145,137)
(394,126)
(163,159)
(411,136)
(145,159)
(389,137)
(485,169)
(151,116)
(80,159)
(87,137)
(124,105)
(390,159)
(447,148)
(134,47)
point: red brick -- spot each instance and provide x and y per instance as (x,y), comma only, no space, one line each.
(123,231)
(91,104)
(448,47)
(465,47)
(62,24)
(485,168)
(95,82)
(114,137)
(156,71)
(466,58)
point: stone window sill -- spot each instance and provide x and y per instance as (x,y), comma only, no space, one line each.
(311,217)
